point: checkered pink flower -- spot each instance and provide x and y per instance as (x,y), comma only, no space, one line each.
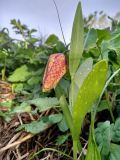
(54,71)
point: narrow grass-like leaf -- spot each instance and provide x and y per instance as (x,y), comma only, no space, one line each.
(76,46)
(88,94)
(64,105)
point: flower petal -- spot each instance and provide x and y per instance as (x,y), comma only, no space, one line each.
(55,69)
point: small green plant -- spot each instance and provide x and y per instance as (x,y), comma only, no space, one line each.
(82,97)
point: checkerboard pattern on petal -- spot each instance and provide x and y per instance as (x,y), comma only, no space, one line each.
(55,69)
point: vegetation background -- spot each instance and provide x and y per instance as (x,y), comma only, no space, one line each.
(32,124)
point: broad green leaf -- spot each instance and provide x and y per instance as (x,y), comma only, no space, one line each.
(61,139)
(80,75)
(4,37)
(65,85)
(115,131)
(40,125)
(77,38)
(60,47)
(18,87)
(116,31)
(103,34)
(112,45)
(3,55)
(8,104)
(115,42)
(102,106)
(92,151)
(103,137)
(34,80)
(91,39)
(105,133)
(52,40)
(20,74)
(83,71)
(114,152)
(62,125)
(23,107)
(44,104)
(38,72)
(6,116)
(88,94)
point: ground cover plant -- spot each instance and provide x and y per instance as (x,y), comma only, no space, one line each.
(60,101)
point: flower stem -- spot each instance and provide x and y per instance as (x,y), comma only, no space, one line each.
(64,106)
(75,150)
(110,106)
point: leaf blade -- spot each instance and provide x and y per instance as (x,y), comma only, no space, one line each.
(87,95)
(20,74)
(76,47)
(41,125)
(80,75)
(92,151)
(45,103)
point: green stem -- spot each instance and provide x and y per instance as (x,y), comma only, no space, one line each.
(66,112)
(50,149)
(79,146)
(3,74)
(64,106)
(75,143)
(109,105)
(93,113)
(3,71)
(72,89)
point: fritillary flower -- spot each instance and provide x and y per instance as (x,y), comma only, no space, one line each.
(54,71)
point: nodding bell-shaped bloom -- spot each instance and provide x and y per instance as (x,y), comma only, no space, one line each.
(54,71)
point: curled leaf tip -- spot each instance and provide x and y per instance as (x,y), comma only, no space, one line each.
(54,71)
